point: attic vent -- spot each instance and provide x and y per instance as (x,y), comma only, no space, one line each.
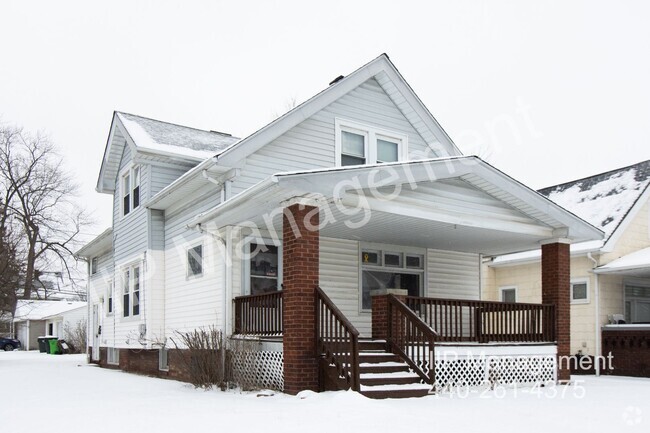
(337,79)
(221,133)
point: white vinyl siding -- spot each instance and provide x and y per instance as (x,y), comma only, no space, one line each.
(453,275)
(339,278)
(311,144)
(191,303)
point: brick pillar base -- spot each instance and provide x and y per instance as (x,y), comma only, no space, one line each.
(380,319)
(300,240)
(556,278)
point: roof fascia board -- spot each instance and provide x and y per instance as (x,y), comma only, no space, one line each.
(418,106)
(304,111)
(627,220)
(94,246)
(100,180)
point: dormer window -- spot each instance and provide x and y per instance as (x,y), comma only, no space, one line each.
(130,190)
(358,144)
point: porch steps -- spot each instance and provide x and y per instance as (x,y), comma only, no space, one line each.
(384,375)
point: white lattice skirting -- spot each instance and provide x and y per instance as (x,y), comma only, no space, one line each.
(257,364)
(474,366)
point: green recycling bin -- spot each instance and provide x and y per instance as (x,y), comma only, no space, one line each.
(54,346)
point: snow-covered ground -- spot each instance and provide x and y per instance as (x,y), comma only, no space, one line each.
(62,393)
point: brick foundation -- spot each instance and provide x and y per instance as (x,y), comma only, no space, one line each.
(380,319)
(300,270)
(556,278)
(141,361)
(630,351)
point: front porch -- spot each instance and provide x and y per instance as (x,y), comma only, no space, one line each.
(418,345)
(455,206)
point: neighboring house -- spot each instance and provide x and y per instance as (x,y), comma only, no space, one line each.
(610,278)
(35,319)
(358,191)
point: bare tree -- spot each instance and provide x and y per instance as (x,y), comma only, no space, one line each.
(38,198)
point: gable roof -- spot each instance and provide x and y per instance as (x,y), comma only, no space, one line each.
(41,310)
(391,82)
(380,68)
(156,137)
(605,199)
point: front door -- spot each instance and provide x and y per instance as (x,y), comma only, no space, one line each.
(96,330)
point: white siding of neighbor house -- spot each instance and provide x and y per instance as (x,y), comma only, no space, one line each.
(311,144)
(453,274)
(191,302)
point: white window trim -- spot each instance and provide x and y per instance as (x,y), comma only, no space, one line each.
(160,359)
(130,266)
(246,268)
(110,294)
(113,356)
(371,133)
(188,276)
(129,169)
(94,261)
(504,288)
(580,281)
(382,249)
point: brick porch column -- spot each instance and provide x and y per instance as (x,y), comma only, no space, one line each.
(300,241)
(556,278)
(380,319)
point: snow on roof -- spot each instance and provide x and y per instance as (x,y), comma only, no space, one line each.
(40,310)
(604,199)
(636,260)
(176,139)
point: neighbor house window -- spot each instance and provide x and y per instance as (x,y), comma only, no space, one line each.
(579,292)
(262,268)
(195,261)
(637,303)
(93,266)
(390,269)
(131,291)
(508,294)
(130,190)
(358,144)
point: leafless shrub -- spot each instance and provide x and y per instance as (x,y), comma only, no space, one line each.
(76,336)
(202,353)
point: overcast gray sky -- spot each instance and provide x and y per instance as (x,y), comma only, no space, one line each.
(546,91)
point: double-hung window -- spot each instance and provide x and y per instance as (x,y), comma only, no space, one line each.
(358,144)
(262,268)
(130,190)
(109,307)
(131,291)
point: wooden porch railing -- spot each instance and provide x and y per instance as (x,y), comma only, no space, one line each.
(457,320)
(337,339)
(259,314)
(411,338)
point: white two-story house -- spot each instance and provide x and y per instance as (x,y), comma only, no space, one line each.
(348,226)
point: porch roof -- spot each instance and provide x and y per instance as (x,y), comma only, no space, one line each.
(636,264)
(457,203)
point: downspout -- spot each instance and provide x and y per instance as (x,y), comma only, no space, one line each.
(597,307)
(216,182)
